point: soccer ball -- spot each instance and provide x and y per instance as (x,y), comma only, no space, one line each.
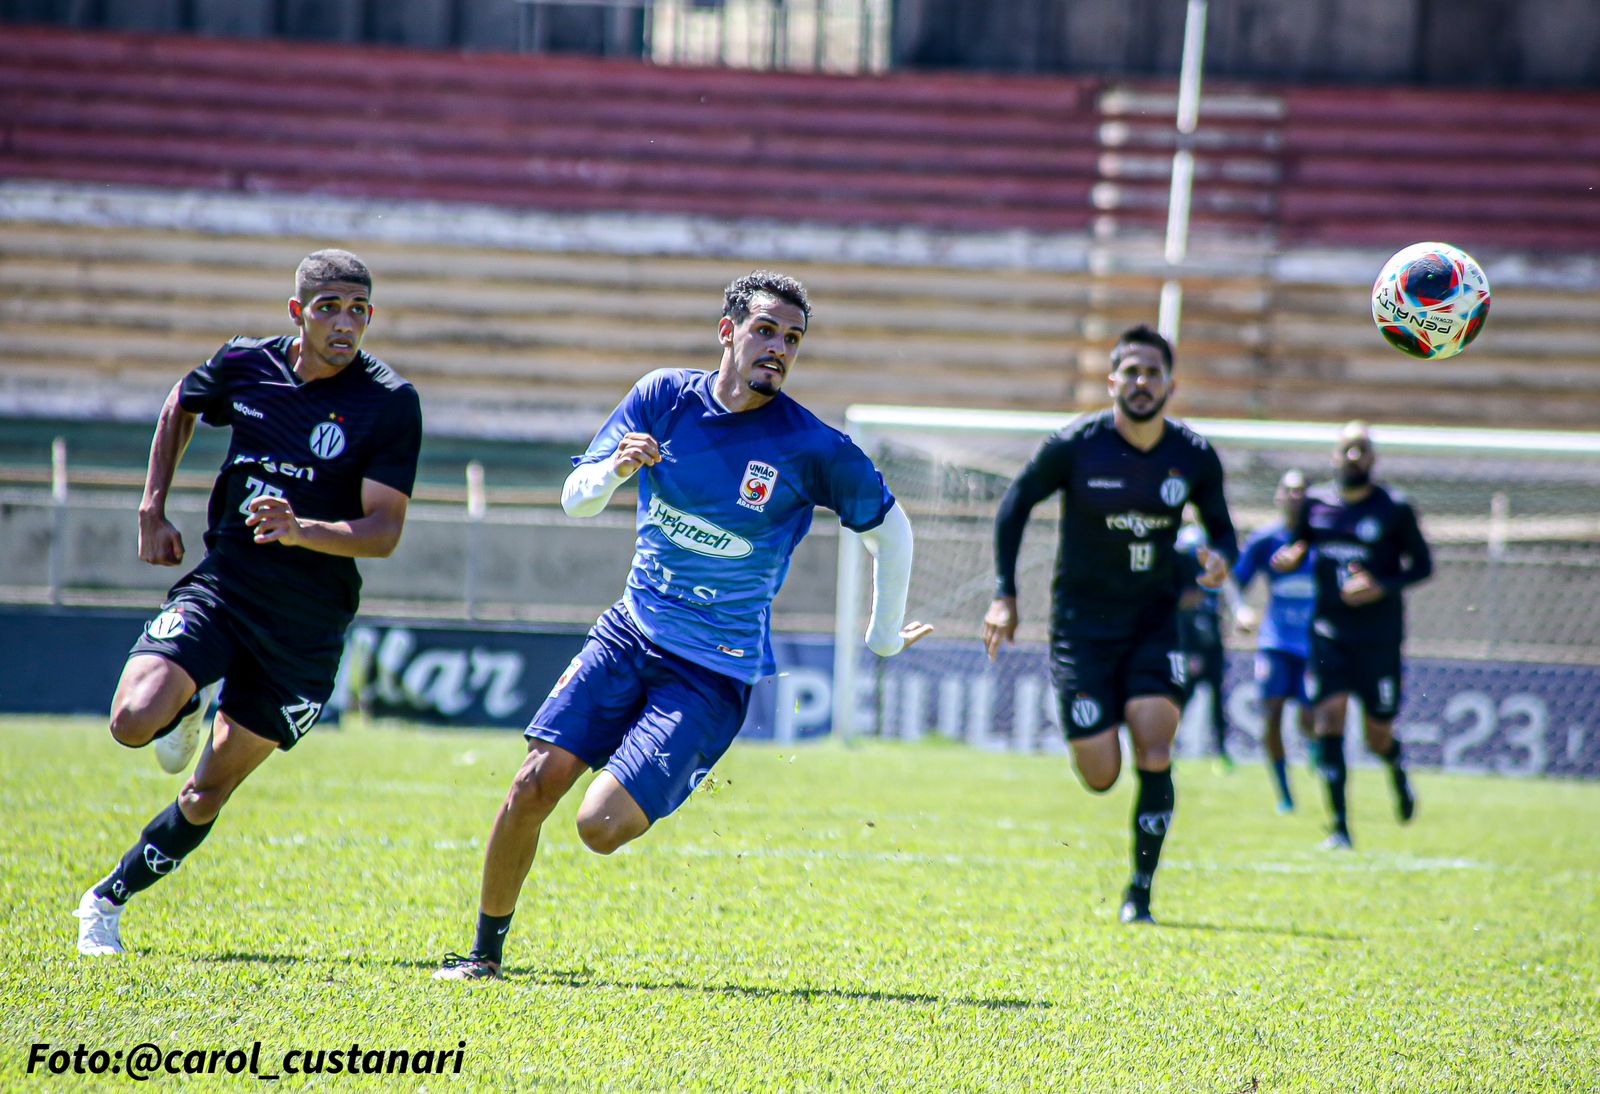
(1430,300)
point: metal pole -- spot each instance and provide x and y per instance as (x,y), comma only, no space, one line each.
(1194,47)
(58,517)
(477,507)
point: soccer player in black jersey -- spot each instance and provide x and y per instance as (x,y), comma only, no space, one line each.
(318,473)
(1124,476)
(1368,550)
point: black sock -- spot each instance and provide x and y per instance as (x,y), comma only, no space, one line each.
(1330,759)
(1280,775)
(163,845)
(1392,757)
(1152,815)
(491,939)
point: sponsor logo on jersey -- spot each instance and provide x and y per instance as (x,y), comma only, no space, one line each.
(279,467)
(696,534)
(1085,712)
(169,624)
(1368,530)
(327,440)
(1294,587)
(1343,552)
(301,716)
(755,489)
(1105,484)
(1140,524)
(663,760)
(1174,491)
(730,651)
(248,411)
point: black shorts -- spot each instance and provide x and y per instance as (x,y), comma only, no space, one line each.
(1370,670)
(271,688)
(1095,675)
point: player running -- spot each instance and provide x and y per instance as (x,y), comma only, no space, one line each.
(318,473)
(1368,550)
(730,469)
(1124,476)
(1283,642)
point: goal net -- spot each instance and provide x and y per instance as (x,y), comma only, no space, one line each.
(1503,643)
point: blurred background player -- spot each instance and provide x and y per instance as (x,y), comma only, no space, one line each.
(319,472)
(731,469)
(1366,550)
(1124,476)
(1201,612)
(1283,642)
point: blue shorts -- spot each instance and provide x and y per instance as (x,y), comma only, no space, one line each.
(1282,675)
(656,721)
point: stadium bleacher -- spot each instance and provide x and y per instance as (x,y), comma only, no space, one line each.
(1274,310)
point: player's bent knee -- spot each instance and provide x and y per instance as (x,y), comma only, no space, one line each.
(132,727)
(533,794)
(202,804)
(603,835)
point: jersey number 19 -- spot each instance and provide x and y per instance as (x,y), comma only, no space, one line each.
(1141,556)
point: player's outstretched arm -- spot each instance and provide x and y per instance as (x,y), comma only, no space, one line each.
(890,545)
(374,535)
(589,487)
(160,542)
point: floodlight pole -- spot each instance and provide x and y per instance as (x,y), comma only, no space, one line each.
(1194,48)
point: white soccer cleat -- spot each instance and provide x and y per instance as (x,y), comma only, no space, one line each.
(176,748)
(99,926)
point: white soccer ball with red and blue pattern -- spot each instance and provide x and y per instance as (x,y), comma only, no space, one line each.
(1430,300)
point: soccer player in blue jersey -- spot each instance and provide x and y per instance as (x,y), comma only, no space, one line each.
(730,469)
(1283,641)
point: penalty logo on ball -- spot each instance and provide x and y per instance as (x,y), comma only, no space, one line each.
(1430,300)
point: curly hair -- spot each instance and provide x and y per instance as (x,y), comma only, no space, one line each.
(737,296)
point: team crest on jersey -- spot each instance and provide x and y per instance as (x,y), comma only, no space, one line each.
(1369,530)
(301,716)
(755,489)
(1085,712)
(327,440)
(566,675)
(169,624)
(1174,491)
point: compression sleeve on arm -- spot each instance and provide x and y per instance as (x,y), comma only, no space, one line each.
(890,546)
(589,487)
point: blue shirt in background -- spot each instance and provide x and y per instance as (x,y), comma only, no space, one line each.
(1292,597)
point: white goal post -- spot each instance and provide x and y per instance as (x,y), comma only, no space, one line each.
(1514,517)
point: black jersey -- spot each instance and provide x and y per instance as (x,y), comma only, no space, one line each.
(310,442)
(1378,533)
(1120,512)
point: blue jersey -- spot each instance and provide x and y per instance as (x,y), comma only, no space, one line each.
(721,514)
(1292,597)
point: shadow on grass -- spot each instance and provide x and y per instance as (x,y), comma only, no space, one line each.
(1250,928)
(582,978)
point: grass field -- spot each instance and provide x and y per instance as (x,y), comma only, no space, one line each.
(883,917)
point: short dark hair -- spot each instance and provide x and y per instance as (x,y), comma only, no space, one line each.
(327,266)
(737,296)
(1142,335)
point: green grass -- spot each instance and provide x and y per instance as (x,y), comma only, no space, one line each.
(883,917)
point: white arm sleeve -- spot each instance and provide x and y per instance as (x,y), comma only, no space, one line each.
(890,546)
(589,488)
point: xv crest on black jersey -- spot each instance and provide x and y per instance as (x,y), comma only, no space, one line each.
(312,443)
(1120,513)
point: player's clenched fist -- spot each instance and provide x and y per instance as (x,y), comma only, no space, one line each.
(160,542)
(636,450)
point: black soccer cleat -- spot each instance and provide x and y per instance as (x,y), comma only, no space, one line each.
(1136,907)
(1405,802)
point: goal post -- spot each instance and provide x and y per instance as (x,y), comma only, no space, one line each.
(1503,643)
